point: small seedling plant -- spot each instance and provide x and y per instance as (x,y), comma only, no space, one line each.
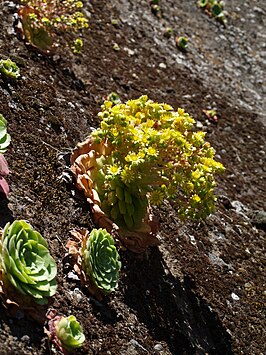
(9,69)
(42,21)
(182,43)
(214,8)
(143,153)
(65,332)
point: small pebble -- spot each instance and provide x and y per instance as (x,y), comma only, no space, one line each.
(235,296)
(162,66)
(158,347)
(72,276)
(25,339)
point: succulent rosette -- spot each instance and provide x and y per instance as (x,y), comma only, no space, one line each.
(69,332)
(100,260)
(26,263)
(9,69)
(4,136)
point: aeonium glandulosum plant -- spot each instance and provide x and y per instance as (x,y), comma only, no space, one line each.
(9,69)
(4,142)
(25,263)
(65,332)
(42,21)
(143,153)
(96,260)
(100,260)
(4,136)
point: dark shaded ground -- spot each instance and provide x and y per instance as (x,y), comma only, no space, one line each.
(203,290)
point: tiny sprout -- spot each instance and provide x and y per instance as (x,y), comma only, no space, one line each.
(9,69)
(114,98)
(211,115)
(114,22)
(155,8)
(216,10)
(77,46)
(168,32)
(69,332)
(182,42)
(203,3)
(116,47)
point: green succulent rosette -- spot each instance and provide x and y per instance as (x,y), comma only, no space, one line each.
(9,69)
(69,332)
(26,262)
(4,136)
(101,261)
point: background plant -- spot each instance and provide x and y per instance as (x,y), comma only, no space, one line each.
(214,8)
(43,20)
(100,260)
(25,262)
(9,69)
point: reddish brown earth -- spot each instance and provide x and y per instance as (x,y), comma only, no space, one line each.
(202,291)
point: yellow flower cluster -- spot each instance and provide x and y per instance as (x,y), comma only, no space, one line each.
(156,155)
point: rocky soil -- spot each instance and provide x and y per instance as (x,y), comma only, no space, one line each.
(202,291)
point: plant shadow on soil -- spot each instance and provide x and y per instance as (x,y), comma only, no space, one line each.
(5,212)
(170,309)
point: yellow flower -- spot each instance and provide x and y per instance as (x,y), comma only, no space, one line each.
(156,198)
(127,175)
(150,123)
(113,169)
(196,174)
(152,151)
(196,198)
(131,157)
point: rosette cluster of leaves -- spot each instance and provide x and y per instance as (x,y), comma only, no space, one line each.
(4,136)
(26,263)
(214,8)
(100,260)
(4,142)
(9,69)
(182,42)
(151,153)
(43,20)
(69,332)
